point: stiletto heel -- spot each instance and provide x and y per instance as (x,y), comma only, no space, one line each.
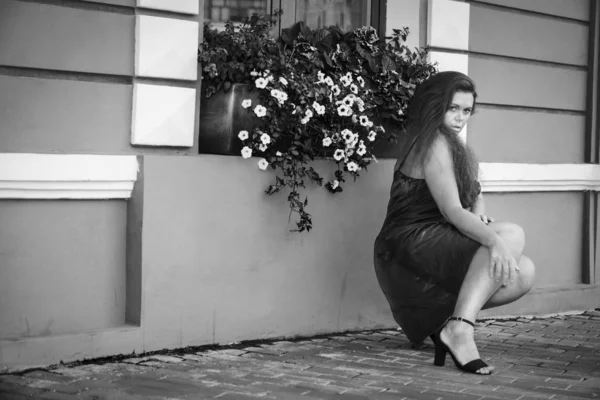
(440,355)
(441,349)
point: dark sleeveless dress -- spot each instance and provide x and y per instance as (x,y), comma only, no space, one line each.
(420,259)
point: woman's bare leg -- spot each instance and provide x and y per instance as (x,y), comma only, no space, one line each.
(476,292)
(516,289)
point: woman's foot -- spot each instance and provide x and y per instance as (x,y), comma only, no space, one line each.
(459,337)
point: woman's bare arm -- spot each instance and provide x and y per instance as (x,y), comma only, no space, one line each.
(478,209)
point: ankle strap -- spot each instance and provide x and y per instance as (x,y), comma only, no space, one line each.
(461,319)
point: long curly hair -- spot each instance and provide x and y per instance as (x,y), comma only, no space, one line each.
(426,113)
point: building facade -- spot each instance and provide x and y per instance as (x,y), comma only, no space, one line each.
(118,235)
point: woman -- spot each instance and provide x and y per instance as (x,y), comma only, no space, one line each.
(439,259)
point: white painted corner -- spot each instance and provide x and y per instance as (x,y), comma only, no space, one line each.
(163,115)
(450,61)
(166,48)
(182,6)
(448,24)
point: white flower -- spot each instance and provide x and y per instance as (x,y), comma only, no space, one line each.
(349,100)
(361,150)
(246,152)
(344,111)
(265,138)
(372,136)
(246,103)
(369,124)
(335,183)
(278,154)
(243,135)
(320,109)
(354,88)
(262,147)
(320,76)
(339,154)
(304,121)
(348,135)
(263,164)
(269,78)
(309,114)
(279,95)
(348,76)
(345,81)
(283,80)
(329,81)
(253,73)
(326,142)
(361,104)
(364,120)
(336,90)
(260,111)
(261,83)
(352,166)
(361,81)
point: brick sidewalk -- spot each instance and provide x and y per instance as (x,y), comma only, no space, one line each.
(541,358)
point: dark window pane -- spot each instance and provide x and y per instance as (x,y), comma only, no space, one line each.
(347,14)
(219,11)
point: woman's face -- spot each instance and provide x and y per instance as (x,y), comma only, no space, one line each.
(459,111)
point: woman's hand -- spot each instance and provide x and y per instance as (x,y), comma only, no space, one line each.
(486,219)
(503,266)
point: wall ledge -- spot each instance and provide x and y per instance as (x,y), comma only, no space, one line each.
(66,176)
(515,177)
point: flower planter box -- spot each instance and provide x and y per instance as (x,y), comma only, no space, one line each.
(222,117)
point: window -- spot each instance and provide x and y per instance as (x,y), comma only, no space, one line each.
(219,11)
(347,14)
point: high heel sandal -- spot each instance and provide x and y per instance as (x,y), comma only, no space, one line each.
(441,349)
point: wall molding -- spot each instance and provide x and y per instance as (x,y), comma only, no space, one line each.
(516,177)
(66,176)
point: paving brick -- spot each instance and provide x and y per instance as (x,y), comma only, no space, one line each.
(534,358)
(14,390)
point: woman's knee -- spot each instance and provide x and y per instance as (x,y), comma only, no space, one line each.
(526,276)
(513,235)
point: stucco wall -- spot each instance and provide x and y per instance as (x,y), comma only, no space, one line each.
(222,265)
(529,61)
(62,266)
